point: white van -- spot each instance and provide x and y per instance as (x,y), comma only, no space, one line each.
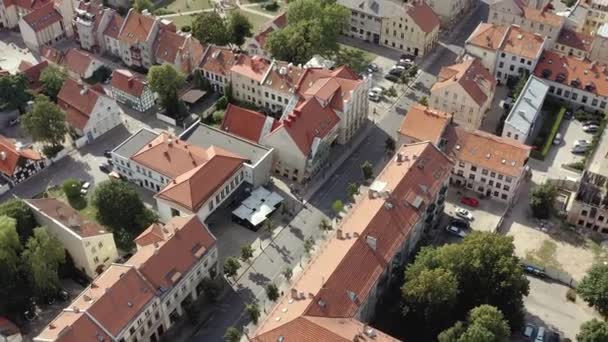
(540,337)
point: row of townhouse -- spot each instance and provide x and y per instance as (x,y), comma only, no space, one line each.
(411,27)
(492,166)
(142,298)
(338,292)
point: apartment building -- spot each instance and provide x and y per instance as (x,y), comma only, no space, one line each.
(366,18)
(573,43)
(256,45)
(80,64)
(414,29)
(46,25)
(518,54)
(531,17)
(141,299)
(96,27)
(338,292)
(136,39)
(90,245)
(599,45)
(576,83)
(466,90)
(178,49)
(484,42)
(88,110)
(131,90)
(216,65)
(489,165)
(597,15)
(450,11)
(18,163)
(520,124)
(589,208)
(435,123)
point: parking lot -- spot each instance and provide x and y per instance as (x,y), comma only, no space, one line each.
(485,217)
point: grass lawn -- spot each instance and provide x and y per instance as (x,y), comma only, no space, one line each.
(187,5)
(368,56)
(259,7)
(545,256)
(256,20)
(183,20)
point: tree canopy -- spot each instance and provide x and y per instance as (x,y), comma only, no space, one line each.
(141,5)
(434,291)
(14,290)
(239,28)
(594,288)
(353,58)
(313,28)
(485,323)
(165,80)
(14,93)
(542,199)
(23,215)
(593,331)
(42,256)
(46,122)
(210,28)
(52,79)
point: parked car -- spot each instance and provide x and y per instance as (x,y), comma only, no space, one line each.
(470,201)
(396,71)
(540,335)
(391,77)
(529,330)
(558,139)
(85,188)
(372,67)
(535,271)
(568,115)
(591,122)
(406,56)
(455,231)
(465,214)
(591,128)
(580,149)
(14,122)
(582,142)
(107,154)
(405,63)
(554,336)
(105,168)
(375,94)
(462,224)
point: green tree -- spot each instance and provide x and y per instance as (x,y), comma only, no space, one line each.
(239,28)
(232,335)
(52,79)
(287,273)
(453,333)
(325,226)
(22,213)
(353,58)
(424,101)
(477,333)
(390,144)
(46,122)
(231,267)
(253,309)
(521,83)
(368,170)
(309,244)
(272,292)
(413,71)
(542,199)
(430,292)
(166,81)
(221,103)
(313,28)
(14,93)
(594,288)
(218,117)
(142,5)
(593,331)
(42,256)
(71,188)
(337,206)
(13,291)
(246,253)
(210,28)
(352,189)
(485,323)
(120,208)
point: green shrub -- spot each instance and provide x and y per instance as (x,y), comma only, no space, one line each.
(271,6)
(221,103)
(548,142)
(218,116)
(579,165)
(186,28)
(571,295)
(71,188)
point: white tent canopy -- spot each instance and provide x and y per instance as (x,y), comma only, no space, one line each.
(256,208)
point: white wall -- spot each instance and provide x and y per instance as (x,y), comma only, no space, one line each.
(487,57)
(514,134)
(286,152)
(104,117)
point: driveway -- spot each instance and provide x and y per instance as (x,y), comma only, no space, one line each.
(486,215)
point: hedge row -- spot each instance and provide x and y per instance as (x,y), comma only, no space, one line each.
(542,153)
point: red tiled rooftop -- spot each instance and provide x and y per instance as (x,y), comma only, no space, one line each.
(424,16)
(245,123)
(522,43)
(472,76)
(124,80)
(218,60)
(136,28)
(576,40)
(78,61)
(12,157)
(78,101)
(42,17)
(113,28)
(487,36)
(68,217)
(425,124)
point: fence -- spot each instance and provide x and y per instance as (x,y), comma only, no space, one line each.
(80,141)
(555,274)
(166,119)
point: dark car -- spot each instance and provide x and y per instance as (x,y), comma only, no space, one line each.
(568,115)
(406,56)
(105,168)
(107,154)
(535,271)
(396,72)
(392,78)
(554,337)
(462,224)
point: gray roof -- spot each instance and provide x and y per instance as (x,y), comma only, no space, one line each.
(378,8)
(528,105)
(135,143)
(205,136)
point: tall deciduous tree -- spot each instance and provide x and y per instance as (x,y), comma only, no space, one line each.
(13,289)
(42,256)
(542,199)
(46,122)
(484,324)
(431,292)
(593,331)
(210,28)
(166,81)
(52,79)
(120,208)
(13,92)
(239,28)
(594,288)
(232,335)
(22,213)
(353,58)
(231,267)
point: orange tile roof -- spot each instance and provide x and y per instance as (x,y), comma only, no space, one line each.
(185,240)
(490,152)
(218,60)
(522,43)
(124,80)
(543,16)
(32,73)
(78,61)
(113,28)
(245,123)
(573,72)
(280,21)
(423,16)
(251,67)
(325,84)
(337,280)
(262,36)
(167,45)
(576,40)
(136,28)
(471,75)
(193,188)
(11,158)
(425,124)
(82,329)
(168,155)
(487,36)
(68,217)
(42,17)
(78,101)
(286,82)
(51,54)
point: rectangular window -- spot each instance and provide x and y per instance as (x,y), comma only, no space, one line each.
(500,177)
(508,179)
(506,188)
(473,168)
(492,174)
(503,196)
(472,177)
(584,213)
(484,172)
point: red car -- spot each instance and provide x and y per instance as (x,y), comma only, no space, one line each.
(470,201)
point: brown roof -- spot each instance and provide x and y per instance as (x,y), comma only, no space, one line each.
(193,188)
(245,123)
(218,60)
(27,4)
(425,124)
(136,28)
(51,54)
(542,16)
(11,158)
(487,36)
(167,45)
(337,281)
(522,43)
(42,17)
(78,101)
(576,40)
(113,28)
(175,248)
(573,72)
(32,73)
(252,67)
(68,217)
(423,16)
(284,83)
(490,152)
(471,75)
(324,84)
(168,155)
(78,61)
(124,80)
(82,329)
